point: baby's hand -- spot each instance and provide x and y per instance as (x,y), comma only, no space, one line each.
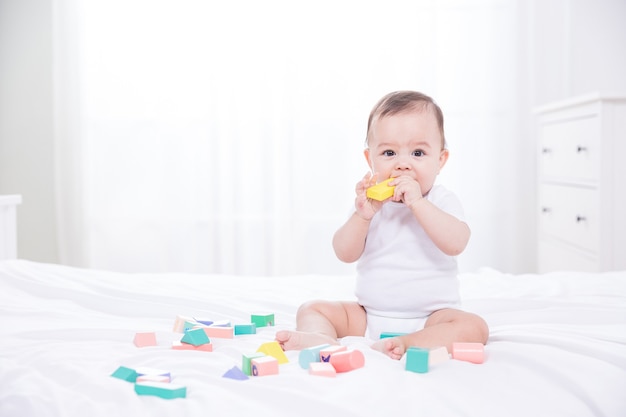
(366,207)
(407,190)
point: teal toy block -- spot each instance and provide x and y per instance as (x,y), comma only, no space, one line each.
(125,373)
(246,362)
(385,335)
(262,320)
(417,360)
(161,389)
(245,329)
(310,355)
(196,337)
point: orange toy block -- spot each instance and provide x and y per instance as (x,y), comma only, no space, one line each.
(380,191)
(265,365)
(143,339)
(273,349)
(347,361)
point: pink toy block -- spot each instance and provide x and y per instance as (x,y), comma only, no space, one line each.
(265,365)
(469,352)
(438,355)
(329,351)
(219,332)
(246,362)
(207,347)
(322,369)
(347,361)
(273,349)
(143,339)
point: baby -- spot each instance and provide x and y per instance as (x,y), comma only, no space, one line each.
(405,246)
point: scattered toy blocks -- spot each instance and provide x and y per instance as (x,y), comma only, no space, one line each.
(417,360)
(245,329)
(161,389)
(262,320)
(127,374)
(143,339)
(347,360)
(265,365)
(469,352)
(380,191)
(196,337)
(273,349)
(246,362)
(437,356)
(322,369)
(235,373)
(327,352)
(310,355)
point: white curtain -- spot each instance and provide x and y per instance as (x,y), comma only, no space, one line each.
(215,136)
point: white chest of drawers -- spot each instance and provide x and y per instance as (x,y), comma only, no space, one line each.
(8,226)
(581,197)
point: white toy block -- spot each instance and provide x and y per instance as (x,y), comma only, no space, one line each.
(438,355)
(322,369)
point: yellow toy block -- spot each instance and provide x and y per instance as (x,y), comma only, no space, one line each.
(273,349)
(380,191)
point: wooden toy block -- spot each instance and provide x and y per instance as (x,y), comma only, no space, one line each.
(246,362)
(144,371)
(221,323)
(206,322)
(262,320)
(235,373)
(347,360)
(183,323)
(245,329)
(469,352)
(385,335)
(265,365)
(143,339)
(161,389)
(273,349)
(417,360)
(219,332)
(437,356)
(125,373)
(196,337)
(380,191)
(206,347)
(310,355)
(327,352)
(322,369)
(154,378)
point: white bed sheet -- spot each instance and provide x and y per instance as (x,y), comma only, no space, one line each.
(557,347)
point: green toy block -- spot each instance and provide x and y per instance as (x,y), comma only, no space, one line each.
(385,335)
(417,360)
(246,362)
(196,337)
(125,373)
(245,329)
(161,389)
(262,320)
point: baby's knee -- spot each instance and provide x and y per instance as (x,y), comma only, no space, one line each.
(312,306)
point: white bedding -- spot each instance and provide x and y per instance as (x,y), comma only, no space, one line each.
(557,347)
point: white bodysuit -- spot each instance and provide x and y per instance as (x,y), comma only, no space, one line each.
(401,273)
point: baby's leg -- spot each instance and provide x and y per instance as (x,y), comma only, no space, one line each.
(443,328)
(319,322)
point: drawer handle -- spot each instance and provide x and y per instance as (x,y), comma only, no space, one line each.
(580,219)
(580,149)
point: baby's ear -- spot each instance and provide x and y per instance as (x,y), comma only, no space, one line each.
(366,153)
(443,158)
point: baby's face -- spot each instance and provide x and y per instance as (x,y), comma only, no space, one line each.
(408,143)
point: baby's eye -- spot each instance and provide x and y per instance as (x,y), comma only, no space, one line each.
(418,152)
(388,153)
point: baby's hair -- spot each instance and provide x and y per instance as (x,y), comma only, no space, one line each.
(401,101)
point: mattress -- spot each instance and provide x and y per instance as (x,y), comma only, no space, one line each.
(557,347)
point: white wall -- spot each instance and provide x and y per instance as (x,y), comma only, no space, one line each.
(26,128)
(569,47)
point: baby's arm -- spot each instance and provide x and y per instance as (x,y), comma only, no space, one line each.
(349,240)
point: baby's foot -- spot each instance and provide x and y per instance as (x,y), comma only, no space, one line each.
(295,340)
(392,347)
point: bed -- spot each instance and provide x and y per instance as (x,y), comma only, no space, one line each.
(557,347)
